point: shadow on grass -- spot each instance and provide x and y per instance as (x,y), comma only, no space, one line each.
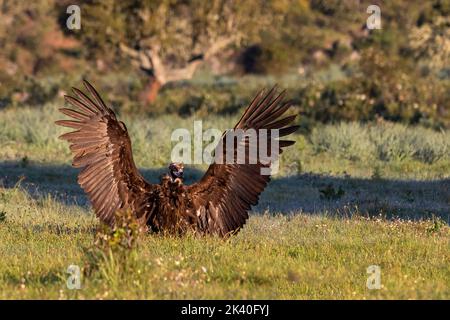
(306,192)
(50,277)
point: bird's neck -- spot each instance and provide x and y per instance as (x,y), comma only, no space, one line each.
(176,180)
(172,181)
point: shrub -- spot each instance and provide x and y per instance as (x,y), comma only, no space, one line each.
(383,141)
(391,142)
(114,249)
(346,140)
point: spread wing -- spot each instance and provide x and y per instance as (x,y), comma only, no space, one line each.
(102,147)
(226,192)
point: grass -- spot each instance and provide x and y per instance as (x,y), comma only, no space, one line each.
(348,196)
(385,141)
(294,256)
(30,134)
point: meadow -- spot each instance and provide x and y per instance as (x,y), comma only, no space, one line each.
(348,196)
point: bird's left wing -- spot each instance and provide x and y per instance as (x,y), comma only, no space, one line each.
(227,191)
(102,147)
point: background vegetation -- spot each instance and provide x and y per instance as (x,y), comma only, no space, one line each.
(367,182)
(297,256)
(347,196)
(187,56)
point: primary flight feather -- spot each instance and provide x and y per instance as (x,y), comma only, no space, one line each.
(217,204)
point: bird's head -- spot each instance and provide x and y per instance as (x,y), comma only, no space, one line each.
(176,170)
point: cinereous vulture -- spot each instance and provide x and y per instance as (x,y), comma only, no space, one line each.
(217,204)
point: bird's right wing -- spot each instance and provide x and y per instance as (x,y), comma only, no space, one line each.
(102,147)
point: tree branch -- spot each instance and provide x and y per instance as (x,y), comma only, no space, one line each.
(218,45)
(137,56)
(151,61)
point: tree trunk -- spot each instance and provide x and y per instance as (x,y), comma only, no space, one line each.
(150,61)
(150,92)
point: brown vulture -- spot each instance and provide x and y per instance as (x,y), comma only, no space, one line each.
(217,204)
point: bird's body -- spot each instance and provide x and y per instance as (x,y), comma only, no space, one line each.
(175,212)
(217,204)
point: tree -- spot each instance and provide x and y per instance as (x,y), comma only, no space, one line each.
(170,39)
(431,42)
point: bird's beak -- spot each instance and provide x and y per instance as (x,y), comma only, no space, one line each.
(179,173)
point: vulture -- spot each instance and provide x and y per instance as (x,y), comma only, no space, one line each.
(218,204)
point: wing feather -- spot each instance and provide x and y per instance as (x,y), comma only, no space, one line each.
(102,148)
(226,192)
(74,114)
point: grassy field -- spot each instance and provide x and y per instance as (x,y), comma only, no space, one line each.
(348,196)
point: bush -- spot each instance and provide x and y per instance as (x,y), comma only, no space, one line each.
(202,99)
(384,141)
(379,86)
(346,140)
(114,251)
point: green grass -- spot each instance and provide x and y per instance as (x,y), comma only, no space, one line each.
(295,256)
(305,240)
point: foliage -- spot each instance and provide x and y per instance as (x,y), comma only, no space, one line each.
(295,243)
(182,28)
(26,134)
(113,253)
(123,236)
(2,216)
(398,73)
(286,257)
(382,86)
(385,142)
